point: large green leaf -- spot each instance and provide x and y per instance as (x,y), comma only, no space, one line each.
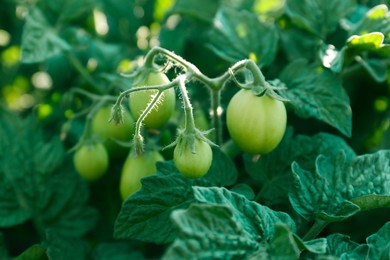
(209,232)
(117,250)
(36,252)
(257,220)
(317,92)
(37,184)
(320,17)
(67,11)
(379,243)
(376,19)
(327,193)
(40,40)
(196,9)
(342,247)
(273,171)
(63,247)
(238,35)
(146,214)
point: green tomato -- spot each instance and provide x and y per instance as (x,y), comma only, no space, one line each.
(195,163)
(256,123)
(139,100)
(110,132)
(91,161)
(134,169)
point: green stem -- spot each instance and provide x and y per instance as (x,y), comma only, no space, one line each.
(315,230)
(217,114)
(189,126)
(76,63)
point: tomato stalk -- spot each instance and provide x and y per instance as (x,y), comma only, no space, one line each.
(189,125)
(315,230)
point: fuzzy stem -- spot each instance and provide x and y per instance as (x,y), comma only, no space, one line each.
(188,110)
(217,114)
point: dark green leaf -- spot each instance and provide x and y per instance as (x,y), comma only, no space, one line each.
(327,193)
(37,183)
(40,41)
(273,170)
(196,9)
(283,245)
(146,214)
(376,68)
(67,11)
(379,243)
(3,249)
(209,232)
(320,17)
(316,92)
(244,190)
(372,201)
(342,247)
(297,43)
(257,220)
(239,35)
(116,251)
(65,247)
(36,252)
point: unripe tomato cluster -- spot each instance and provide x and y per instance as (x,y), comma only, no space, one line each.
(255,123)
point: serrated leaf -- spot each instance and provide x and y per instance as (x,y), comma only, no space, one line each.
(209,232)
(379,243)
(146,215)
(36,252)
(238,35)
(283,245)
(273,170)
(327,193)
(37,183)
(316,92)
(257,220)
(320,17)
(40,41)
(63,247)
(342,247)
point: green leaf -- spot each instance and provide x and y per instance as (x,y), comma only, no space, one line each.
(67,11)
(328,192)
(244,190)
(35,252)
(273,170)
(298,43)
(376,68)
(65,247)
(342,247)
(316,92)
(283,245)
(40,41)
(372,201)
(379,243)
(209,232)
(376,19)
(146,214)
(196,9)
(320,17)
(238,35)
(256,220)
(372,42)
(34,175)
(116,251)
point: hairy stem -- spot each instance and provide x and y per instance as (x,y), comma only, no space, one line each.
(188,110)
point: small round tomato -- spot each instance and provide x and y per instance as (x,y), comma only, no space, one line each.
(193,163)
(110,132)
(91,161)
(134,169)
(256,123)
(139,100)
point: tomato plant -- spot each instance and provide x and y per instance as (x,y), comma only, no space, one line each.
(165,105)
(279,147)
(256,124)
(91,161)
(134,169)
(193,160)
